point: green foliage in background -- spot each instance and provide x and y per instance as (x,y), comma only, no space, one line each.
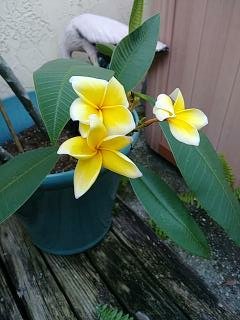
(104,312)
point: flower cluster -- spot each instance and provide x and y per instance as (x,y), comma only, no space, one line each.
(104,121)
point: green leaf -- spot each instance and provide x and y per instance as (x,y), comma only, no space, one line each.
(55,93)
(134,54)
(136,15)
(167,211)
(204,175)
(21,176)
(105,48)
(105,312)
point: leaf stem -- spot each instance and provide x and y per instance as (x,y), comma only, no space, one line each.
(145,124)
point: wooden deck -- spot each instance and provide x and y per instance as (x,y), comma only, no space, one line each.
(131,269)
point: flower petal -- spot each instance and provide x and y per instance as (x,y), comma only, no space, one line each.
(115,94)
(177,97)
(194,117)
(76,147)
(80,110)
(184,132)
(86,173)
(161,114)
(119,163)
(91,89)
(97,131)
(84,129)
(164,102)
(118,120)
(115,142)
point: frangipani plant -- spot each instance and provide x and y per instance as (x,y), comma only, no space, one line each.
(97,99)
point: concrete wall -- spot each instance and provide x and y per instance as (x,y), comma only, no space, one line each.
(30,30)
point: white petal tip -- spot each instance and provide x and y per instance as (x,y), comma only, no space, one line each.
(194,143)
(60,151)
(71,79)
(137,174)
(77,196)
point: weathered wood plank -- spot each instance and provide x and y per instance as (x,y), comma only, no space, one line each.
(81,284)
(8,307)
(33,282)
(134,286)
(182,284)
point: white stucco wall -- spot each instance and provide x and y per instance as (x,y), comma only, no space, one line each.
(30,30)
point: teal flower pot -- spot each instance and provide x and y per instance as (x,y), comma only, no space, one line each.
(55,220)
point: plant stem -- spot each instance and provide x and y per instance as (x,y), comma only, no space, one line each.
(146,124)
(11,129)
(133,101)
(16,86)
(4,155)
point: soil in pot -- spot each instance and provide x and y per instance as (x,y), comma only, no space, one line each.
(33,138)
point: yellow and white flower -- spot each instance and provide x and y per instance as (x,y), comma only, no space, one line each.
(96,151)
(183,123)
(106,99)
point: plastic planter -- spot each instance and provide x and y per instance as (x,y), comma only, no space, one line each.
(55,220)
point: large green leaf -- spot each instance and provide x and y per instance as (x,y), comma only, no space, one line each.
(134,54)
(168,212)
(136,15)
(21,176)
(55,93)
(203,173)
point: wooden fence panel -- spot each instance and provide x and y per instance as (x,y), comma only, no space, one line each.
(204,60)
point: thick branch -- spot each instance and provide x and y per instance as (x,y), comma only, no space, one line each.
(13,82)
(11,128)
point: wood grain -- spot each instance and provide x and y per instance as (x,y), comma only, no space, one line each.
(33,282)
(131,269)
(81,284)
(8,307)
(136,289)
(184,287)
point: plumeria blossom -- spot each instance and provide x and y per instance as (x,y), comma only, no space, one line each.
(96,151)
(183,123)
(106,99)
